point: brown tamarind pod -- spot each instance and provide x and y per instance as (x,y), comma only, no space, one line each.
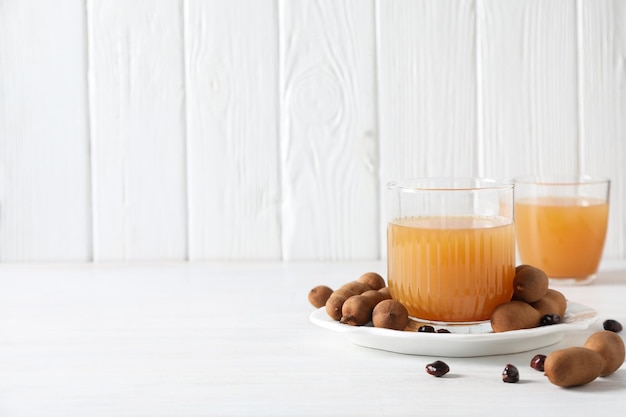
(385,291)
(319,295)
(373,280)
(553,302)
(514,315)
(530,284)
(356,286)
(375,296)
(335,302)
(390,314)
(610,346)
(357,310)
(573,366)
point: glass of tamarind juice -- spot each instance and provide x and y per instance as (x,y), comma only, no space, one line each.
(561,225)
(451,247)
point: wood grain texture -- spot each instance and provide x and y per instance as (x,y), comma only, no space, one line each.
(329,148)
(44,158)
(267,129)
(426,92)
(427,88)
(602,49)
(137,129)
(528,87)
(231,58)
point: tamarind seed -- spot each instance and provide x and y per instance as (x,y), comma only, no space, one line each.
(510,374)
(437,368)
(550,319)
(538,362)
(443,331)
(612,325)
(426,329)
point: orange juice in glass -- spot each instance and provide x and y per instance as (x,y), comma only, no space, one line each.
(561,225)
(451,247)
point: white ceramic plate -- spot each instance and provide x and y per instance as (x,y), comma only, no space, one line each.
(476,340)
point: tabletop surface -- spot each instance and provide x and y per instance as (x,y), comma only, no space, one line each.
(235,339)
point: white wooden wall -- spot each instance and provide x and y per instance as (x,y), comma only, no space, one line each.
(266,129)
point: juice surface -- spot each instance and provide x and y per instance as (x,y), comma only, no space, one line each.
(564,236)
(451,269)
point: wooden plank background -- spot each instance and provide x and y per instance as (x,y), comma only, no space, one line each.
(267,129)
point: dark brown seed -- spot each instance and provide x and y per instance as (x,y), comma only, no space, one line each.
(443,331)
(426,329)
(537,362)
(437,368)
(510,374)
(612,325)
(550,319)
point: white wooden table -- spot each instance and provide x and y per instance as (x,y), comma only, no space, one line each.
(192,339)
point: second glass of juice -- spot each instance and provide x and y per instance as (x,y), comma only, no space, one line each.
(451,247)
(561,225)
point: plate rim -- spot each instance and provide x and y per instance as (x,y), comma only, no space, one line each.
(587,315)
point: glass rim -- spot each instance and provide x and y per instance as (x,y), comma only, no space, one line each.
(449,184)
(562,180)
